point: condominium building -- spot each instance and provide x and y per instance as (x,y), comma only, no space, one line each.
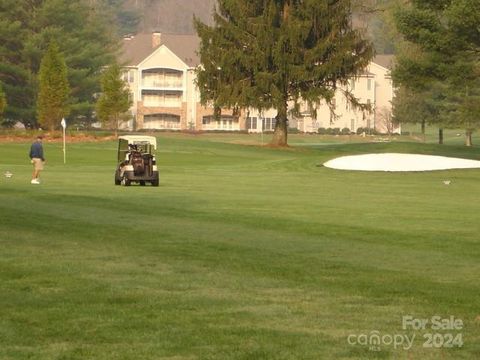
(160,71)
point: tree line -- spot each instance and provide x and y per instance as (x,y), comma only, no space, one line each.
(265,54)
(52,56)
(438,65)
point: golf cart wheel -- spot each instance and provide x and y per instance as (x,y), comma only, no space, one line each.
(118,181)
(142,183)
(155,182)
(126,182)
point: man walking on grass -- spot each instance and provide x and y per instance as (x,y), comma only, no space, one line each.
(37,159)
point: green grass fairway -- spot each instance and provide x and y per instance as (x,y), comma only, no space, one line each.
(242,252)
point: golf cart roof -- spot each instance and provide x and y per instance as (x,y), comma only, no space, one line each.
(139,139)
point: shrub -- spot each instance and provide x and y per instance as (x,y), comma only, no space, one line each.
(331,131)
(368,131)
(345,131)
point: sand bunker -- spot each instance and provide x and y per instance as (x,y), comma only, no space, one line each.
(400,162)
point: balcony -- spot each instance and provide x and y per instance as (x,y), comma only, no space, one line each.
(162,79)
(162,121)
(160,98)
(162,85)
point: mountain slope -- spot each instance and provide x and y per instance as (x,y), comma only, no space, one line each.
(171,16)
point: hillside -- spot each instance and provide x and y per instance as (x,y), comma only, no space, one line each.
(171,16)
(176,17)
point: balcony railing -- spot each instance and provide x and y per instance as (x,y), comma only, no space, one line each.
(167,104)
(159,124)
(162,84)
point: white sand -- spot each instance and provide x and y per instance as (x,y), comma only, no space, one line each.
(400,162)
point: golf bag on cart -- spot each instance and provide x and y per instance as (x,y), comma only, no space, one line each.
(136,160)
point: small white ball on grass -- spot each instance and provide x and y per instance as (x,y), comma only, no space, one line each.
(8,174)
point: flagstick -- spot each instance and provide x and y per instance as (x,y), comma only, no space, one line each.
(64,126)
(64,150)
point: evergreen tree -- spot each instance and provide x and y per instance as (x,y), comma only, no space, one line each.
(446,34)
(15,73)
(115,101)
(53,94)
(427,106)
(269,53)
(86,35)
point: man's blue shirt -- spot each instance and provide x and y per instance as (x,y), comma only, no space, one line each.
(36,151)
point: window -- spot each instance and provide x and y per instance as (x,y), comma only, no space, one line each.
(369,84)
(161,121)
(128,76)
(268,124)
(352,84)
(352,125)
(225,122)
(252,123)
(172,98)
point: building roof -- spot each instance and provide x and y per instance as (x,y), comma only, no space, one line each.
(138,47)
(387,61)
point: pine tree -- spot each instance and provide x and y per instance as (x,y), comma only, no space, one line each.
(53,94)
(86,35)
(270,53)
(115,101)
(426,106)
(15,74)
(446,35)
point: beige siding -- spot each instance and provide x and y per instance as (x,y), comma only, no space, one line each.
(163,88)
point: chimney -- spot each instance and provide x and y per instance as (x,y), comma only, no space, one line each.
(156,39)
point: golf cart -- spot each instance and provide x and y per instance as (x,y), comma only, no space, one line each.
(136,160)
